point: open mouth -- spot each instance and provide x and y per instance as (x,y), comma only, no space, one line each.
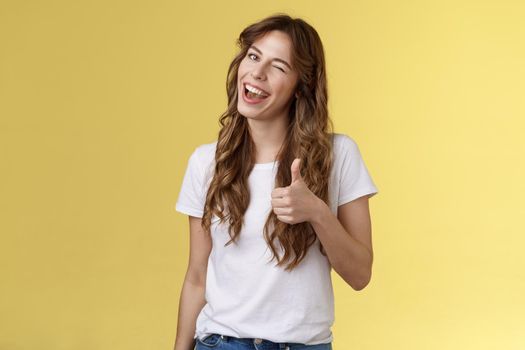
(254,95)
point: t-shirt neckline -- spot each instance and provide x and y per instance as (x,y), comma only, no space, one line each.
(268,165)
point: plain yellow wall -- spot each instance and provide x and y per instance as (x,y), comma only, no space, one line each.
(102,102)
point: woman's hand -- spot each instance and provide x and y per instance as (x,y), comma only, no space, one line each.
(295,203)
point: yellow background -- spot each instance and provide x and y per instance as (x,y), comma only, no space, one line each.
(102,102)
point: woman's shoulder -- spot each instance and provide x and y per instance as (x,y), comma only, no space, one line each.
(206,148)
(342,142)
(205,153)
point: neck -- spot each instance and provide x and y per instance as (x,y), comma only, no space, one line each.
(268,136)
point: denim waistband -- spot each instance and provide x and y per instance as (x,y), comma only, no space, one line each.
(265,343)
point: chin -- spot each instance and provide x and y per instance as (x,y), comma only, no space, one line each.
(246,110)
(248,115)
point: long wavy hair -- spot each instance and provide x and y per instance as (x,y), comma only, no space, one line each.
(309,137)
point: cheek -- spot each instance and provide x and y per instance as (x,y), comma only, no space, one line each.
(284,89)
(240,70)
(243,66)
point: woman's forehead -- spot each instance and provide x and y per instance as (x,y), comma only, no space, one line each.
(276,44)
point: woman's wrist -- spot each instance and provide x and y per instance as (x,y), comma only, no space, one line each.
(319,211)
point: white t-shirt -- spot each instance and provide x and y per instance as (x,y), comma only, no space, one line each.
(247,297)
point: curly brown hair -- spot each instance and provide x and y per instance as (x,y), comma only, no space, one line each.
(308,136)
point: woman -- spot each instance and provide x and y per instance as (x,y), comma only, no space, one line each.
(274,184)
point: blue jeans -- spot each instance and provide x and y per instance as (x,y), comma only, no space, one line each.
(225,342)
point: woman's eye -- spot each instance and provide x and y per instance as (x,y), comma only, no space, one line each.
(252,54)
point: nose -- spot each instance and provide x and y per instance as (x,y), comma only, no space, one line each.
(257,73)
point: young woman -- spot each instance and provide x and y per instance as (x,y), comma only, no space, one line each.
(273,204)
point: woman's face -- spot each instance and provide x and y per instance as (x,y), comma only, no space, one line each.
(267,66)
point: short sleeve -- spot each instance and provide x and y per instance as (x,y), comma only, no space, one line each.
(355,180)
(191,198)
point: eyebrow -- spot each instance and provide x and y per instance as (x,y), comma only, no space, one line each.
(275,59)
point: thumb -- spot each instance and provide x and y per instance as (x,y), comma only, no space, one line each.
(296,170)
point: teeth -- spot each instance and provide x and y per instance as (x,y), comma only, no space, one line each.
(255,90)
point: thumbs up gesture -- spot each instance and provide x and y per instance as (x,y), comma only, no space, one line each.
(294,203)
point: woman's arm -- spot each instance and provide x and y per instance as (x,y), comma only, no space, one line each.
(347,239)
(192,297)
(190,304)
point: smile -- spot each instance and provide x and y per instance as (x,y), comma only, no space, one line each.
(253,95)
